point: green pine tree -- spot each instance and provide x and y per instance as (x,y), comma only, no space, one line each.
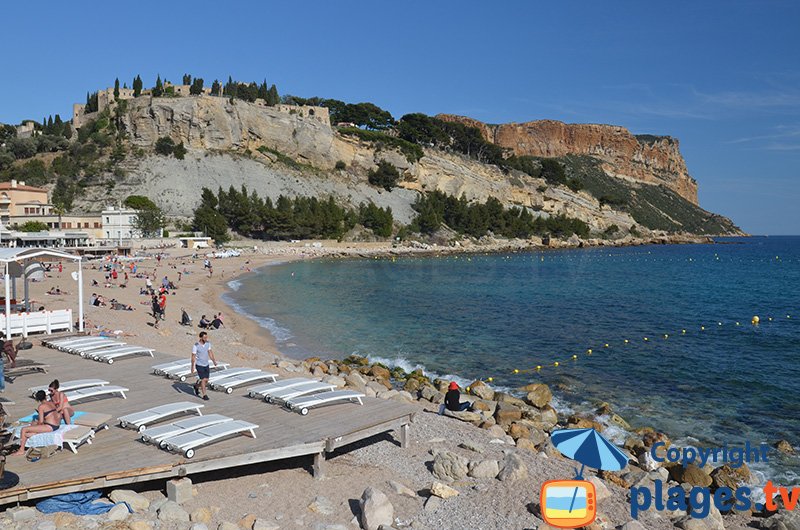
(158,90)
(137,87)
(116,88)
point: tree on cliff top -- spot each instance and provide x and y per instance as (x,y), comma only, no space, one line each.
(116,88)
(137,87)
(187,79)
(158,90)
(197,86)
(216,88)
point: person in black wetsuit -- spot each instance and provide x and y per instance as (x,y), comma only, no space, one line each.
(452,400)
(49,420)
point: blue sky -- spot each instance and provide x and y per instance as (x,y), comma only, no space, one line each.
(723,77)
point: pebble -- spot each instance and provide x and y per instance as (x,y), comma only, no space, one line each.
(118,513)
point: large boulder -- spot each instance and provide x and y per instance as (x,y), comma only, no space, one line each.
(449,466)
(464,415)
(504,397)
(784,447)
(443,491)
(517,431)
(137,502)
(730,477)
(171,511)
(539,395)
(507,413)
(483,469)
(545,419)
(380,372)
(513,468)
(357,381)
(482,390)
(691,474)
(376,510)
(484,405)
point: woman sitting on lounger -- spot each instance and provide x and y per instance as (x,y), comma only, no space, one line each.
(60,400)
(49,420)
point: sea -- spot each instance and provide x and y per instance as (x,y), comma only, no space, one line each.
(663,333)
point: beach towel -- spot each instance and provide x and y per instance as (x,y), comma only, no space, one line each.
(50,438)
(35,416)
(80,503)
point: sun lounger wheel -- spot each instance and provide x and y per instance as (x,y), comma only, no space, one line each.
(304,411)
(111,361)
(182,379)
(162,444)
(229,390)
(268,399)
(189,453)
(142,428)
(123,424)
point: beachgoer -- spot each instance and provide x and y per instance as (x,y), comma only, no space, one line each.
(201,353)
(114,275)
(61,401)
(60,268)
(156,311)
(11,352)
(204,322)
(217,322)
(162,305)
(165,283)
(186,320)
(148,283)
(49,420)
(453,397)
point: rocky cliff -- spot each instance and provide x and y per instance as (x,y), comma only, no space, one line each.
(646,158)
(294,151)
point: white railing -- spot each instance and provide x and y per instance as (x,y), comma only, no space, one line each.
(38,322)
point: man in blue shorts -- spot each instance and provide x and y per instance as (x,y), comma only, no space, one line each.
(201,354)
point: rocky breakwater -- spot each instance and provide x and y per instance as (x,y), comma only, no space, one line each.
(645,158)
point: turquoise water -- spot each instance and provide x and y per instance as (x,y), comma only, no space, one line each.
(485,316)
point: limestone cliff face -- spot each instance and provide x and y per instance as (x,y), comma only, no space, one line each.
(651,159)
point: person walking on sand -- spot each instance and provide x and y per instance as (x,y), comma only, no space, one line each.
(156,310)
(201,354)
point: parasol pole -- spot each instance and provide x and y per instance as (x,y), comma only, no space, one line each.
(575,493)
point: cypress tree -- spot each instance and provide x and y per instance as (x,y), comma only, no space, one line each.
(137,87)
(116,88)
(273,98)
(263,92)
(215,88)
(187,79)
(158,90)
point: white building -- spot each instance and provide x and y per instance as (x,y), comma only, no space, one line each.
(118,223)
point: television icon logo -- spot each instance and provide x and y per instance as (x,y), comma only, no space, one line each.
(568,503)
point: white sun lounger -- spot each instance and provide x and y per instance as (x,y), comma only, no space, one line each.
(66,386)
(78,436)
(141,419)
(94,391)
(188,442)
(302,404)
(162,369)
(109,356)
(85,349)
(67,341)
(229,383)
(94,350)
(183,372)
(261,391)
(230,372)
(157,435)
(297,391)
(73,347)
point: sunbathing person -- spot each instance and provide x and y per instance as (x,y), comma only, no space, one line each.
(60,400)
(49,420)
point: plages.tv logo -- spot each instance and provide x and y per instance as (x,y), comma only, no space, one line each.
(573,503)
(697,502)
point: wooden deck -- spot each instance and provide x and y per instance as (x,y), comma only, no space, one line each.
(117,457)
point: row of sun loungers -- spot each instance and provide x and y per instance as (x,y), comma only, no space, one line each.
(101,349)
(140,420)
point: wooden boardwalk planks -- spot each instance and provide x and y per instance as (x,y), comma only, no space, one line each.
(117,457)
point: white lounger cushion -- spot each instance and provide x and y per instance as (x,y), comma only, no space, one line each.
(94,352)
(229,383)
(70,385)
(77,436)
(84,393)
(84,349)
(71,340)
(188,442)
(166,367)
(186,370)
(299,390)
(262,390)
(302,404)
(74,346)
(140,419)
(112,355)
(162,432)
(230,372)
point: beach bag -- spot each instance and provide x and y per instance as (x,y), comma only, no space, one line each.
(25,345)
(37,453)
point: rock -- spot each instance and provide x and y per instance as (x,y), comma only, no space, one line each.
(482,390)
(21,514)
(376,510)
(449,466)
(783,520)
(603,409)
(691,474)
(619,421)
(321,505)
(380,372)
(412,385)
(431,394)
(633,525)
(370,392)
(600,488)
(118,513)
(225,525)
(784,447)
(335,380)
(464,415)
(730,477)
(137,502)
(356,380)
(526,443)
(516,431)
(507,413)
(503,397)
(483,469)
(201,515)
(180,490)
(496,431)
(404,396)
(377,386)
(199,526)
(443,491)
(171,511)
(66,520)
(635,445)
(387,394)
(513,468)
(402,489)
(470,446)
(712,522)
(144,525)
(246,522)
(432,503)
(539,395)
(485,406)
(578,422)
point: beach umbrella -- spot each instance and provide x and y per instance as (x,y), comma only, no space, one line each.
(589,448)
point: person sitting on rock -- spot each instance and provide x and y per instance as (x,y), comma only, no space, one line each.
(452,400)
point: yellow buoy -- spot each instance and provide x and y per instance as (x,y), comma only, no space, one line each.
(490,379)
(755,320)
(538,368)
(574,357)
(626,341)
(589,351)
(516,370)
(468,389)
(666,336)
(646,339)
(555,363)
(605,345)
(719,323)
(683,331)
(769,318)
(702,328)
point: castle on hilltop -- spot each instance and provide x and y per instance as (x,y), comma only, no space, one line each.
(107,100)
